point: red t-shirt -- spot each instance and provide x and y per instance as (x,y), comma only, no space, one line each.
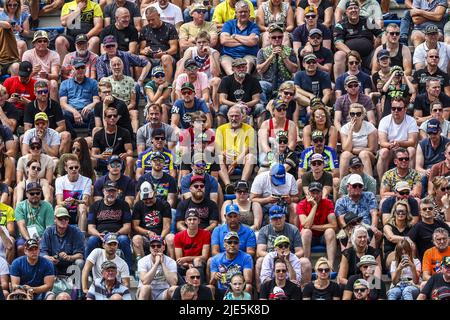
(192,246)
(323,210)
(13,85)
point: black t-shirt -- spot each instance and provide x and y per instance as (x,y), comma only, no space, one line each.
(167,184)
(229,85)
(204,293)
(11,112)
(53,111)
(207,210)
(125,184)
(110,11)
(123,37)
(422,235)
(112,140)
(210,167)
(324,4)
(290,289)
(159,38)
(151,218)
(109,218)
(421,76)
(353,259)
(433,284)
(330,292)
(324,56)
(122,110)
(389,203)
(390,246)
(378,292)
(393,90)
(423,103)
(301,33)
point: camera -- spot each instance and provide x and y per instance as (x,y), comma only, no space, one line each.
(399,73)
(56,256)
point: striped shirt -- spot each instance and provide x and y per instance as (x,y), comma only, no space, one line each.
(98,290)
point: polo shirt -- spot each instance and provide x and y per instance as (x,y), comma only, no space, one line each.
(79,94)
(430,155)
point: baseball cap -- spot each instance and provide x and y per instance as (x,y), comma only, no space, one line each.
(108,264)
(158,132)
(383,53)
(41,116)
(114,158)
(110,185)
(30,243)
(81,38)
(367,260)
(78,62)
(36,140)
(351,3)
(25,69)
(197,178)
(39,35)
(197,6)
(316,134)
(109,40)
(278,103)
(232,208)
(316,157)
(310,57)
(274,27)
(242,185)
(315,186)
(157,155)
(354,179)
(355,161)
(191,212)
(310,9)
(445,261)
(238,62)
(188,85)
(61,212)
(360,282)
(431,28)
(278,174)
(402,185)
(190,62)
(156,238)
(157,70)
(350,79)
(198,158)
(110,237)
(315,31)
(350,217)
(276,211)
(33,186)
(433,126)
(231,234)
(315,102)
(282,135)
(146,190)
(202,137)
(281,239)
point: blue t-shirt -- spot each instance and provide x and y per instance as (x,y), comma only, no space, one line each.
(32,275)
(19,21)
(220,263)
(231,28)
(211,184)
(79,94)
(365,82)
(314,84)
(247,238)
(185,113)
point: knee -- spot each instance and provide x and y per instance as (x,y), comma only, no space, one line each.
(306,264)
(61,41)
(345,156)
(167,60)
(364,155)
(94,41)
(134,114)
(169,239)
(53,84)
(130,161)
(384,154)
(123,239)
(138,241)
(330,234)
(340,56)
(306,234)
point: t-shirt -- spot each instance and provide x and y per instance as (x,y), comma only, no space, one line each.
(76,190)
(323,55)
(433,284)
(109,218)
(207,211)
(360,139)
(263,185)
(162,187)
(115,142)
(144,134)
(224,12)
(420,54)
(387,205)
(423,103)
(159,282)
(122,110)
(158,39)
(189,30)
(421,76)
(144,160)
(45,161)
(343,104)
(445,127)
(125,185)
(432,260)
(211,184)
(362,208)
(439,169)
(47,62)
(122,89)
(235,142)
(10,111)
(6,214)
(51,137)
(370,184)
(328,293)
(391,177)
(247,238)
(53,112)
(98,256)
(325,180)
(203,293)
(267,236)
(324,209)
(230,87)
(192,246)
(40,217)
(200,84)
(67,66)
(85,22)
(315,83)
(26,90)
(364,80)
(179,107)
(376,293)
(220,263)
(171,14)
(330,158)
(398,132)
(292,291)
(110,11)
(323,5)
(301,33)
(422,235)
(151,218)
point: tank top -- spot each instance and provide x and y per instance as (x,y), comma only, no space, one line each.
(397,60)
(204,63)
(390,246)
(279,18)
(272,129)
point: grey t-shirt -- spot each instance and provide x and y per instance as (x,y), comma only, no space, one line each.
(144,134)
(370,184)
(267,236)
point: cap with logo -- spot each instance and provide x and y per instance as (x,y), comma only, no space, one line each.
(315,186)
(157,155)
(310,9)
(367,260)
(281,239)
(282,136)
(242,185)
(316,157)
(231,234)
(316,101)
(275,27)
(25,69)
(110,185)
(354,179)
(278,174)
(276,211)
(108,264)
(402,186)
(431,28)
(30,243)
(146,191)
(36,140)
(351,79)
(316,134)
(41,116)
(191,212)
(360,283)
(190,63)
(232,208)
(109,40)
(81,38)
(40,34)
(278,294)
(114,158)
(189,86)
(310,57)
(238,62)
(157,70)
(156,238)
(110,238)
(351,3)
(314,31)
(433,126)
(383,53)
(355,161)
(445,261)
(33,186)
(61,212)
(351,217)
(198,158)
(78,62)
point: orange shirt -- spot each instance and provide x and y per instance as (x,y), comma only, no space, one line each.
(432,260)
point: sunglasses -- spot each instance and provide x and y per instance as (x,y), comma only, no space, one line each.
(42,41)
(200,165)
(428,209)
(397,109)
(156,246)
(317,140)
(276,37)
(289,93)
(283,246)
(74,168)
(282,141)
(311,62)
(110,46)
(76,150)
(281,109)
(395,33)
(445,189)
(360,290)
(403,159)
(35,168)
(200,11)
(316,163)
(310,16)
(159,138)
(37,193)
(316,37)
(355,85)
(400,212)
(281,271)
(434,57)
(357,186)
(115,165)
(35,147)
(230,242)
(159,75)
(323,270)
(109,116)
(437,110)
(353,63)
(12,5)
(198,186)
(42,91)
(80,67)
(194,277)
(404,193)
(355,114)
(187,92)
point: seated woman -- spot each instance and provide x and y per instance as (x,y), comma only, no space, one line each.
(440,196)
(286,92)
(322,288)
(324,11)
(396,229)
(19,23)
(33,168)
(269,129)
(158,91)
(405,273)
(320,120)
(275,11)
(250,212)
(359,138)
(47,164)
(81,149)
(292,291)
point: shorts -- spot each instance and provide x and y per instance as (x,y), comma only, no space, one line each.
(4,68)
(256,111)
(3,188)
(71,40)
(318,241)
(159,294)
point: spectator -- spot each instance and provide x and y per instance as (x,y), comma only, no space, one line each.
(19,21)
(10,116)
(440,198)
(396,86)
(84,17)
(320,120)
(441,169)
(157,273)
(402,191)
(369,9)
(9,55)
(323,9)
(353,69)
(319,175)
(81,51)
(169,12)
(422,103)
(50,138)
(431,70)
(437,113)
(108,287)
(201,292)
(109,12)
(322,288)
(226,11)
(275,13)
(292,291)
(437,284)
(432,257)
(426,16)
(303,33)
(36,274)
(317,222)
(236,288)
(32,168)
(123,30)
(431,42)
(192,75)
(79,148)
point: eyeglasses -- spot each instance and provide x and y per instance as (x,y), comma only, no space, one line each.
(76,150)
(187,92)
(351,86)
(437,110)
(74,168)
(198,186)
(320,116)
(357,186)
(35,168)
(231,242)
(159,75)
(155,246)
(35,147)
(276,37)
(281,109)
(403,159)
(394,33)
(191,68)
(200,11)
(400,212)
(447,188)
(280,271)
(310,16)
(323,270)
(283,246)
(355,114)
(427,209)
(360,290)
(194,277)
(159,138)
(109,116)
(404,193)
(316,163)
(42,41)
(353,63)
(289,93)
(42,91)
(33,194)
(397,109)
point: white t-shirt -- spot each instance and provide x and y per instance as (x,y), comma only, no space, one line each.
(263,185)
(361,138)
(171,14)
(159,281)
(445,127)
(98,256)
(4,269)
(420,55)
(2,246)
(406,272)
(398,132)
(78,188)
(45,161)
(51,137)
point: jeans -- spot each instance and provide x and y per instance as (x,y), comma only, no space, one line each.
(124,245)
(267,90)
(403,292)
(71,125)
(405,25)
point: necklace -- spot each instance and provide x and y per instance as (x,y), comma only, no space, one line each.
(106,139)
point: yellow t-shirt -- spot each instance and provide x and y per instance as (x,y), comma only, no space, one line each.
(85,22)
(235,142)
(224,12)
(6,214)
(189,30)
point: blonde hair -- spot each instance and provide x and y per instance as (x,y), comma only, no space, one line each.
(360,107)
(405,203)
(438,182)
(322,260)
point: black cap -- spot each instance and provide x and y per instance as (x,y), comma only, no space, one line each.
(30,243)
(158,132)
(81,38)
(190,62)
(315,186)
(191,212)
(114,158)
(355,161)
(25,69)
(350,217)
(33,186)
(110,185)
(78,62)
(36,140)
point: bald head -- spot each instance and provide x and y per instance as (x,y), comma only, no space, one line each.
(122,18)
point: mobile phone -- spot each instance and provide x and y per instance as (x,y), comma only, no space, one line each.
(12,23)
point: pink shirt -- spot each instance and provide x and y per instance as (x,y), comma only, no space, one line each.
(50,59)
(200,84)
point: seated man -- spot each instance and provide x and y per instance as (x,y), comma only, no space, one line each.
(239,39)
(108,287)
(441,169)
(431,42)
(315,45)
(425,14)
(51,140)
(431,70)
(437,113)
(81,51)
(438,285)
(402,191)
(422,103)
(192,74)
(303,33)
(123,30)
(170,12)
(226,11)
(317,174)
(433,256)
(357,166)
(193,278)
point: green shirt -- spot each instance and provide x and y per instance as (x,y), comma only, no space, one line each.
(40,217)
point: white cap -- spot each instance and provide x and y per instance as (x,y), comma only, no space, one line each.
(146,190)
(354,179)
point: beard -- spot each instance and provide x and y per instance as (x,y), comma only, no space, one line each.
(198,195)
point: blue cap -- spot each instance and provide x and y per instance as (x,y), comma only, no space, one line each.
(433,126)
(383,53)
(232,208)
(278,174)
(276,211)
(114,158)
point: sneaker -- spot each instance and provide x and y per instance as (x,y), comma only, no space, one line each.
(229,189)
(404,40)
